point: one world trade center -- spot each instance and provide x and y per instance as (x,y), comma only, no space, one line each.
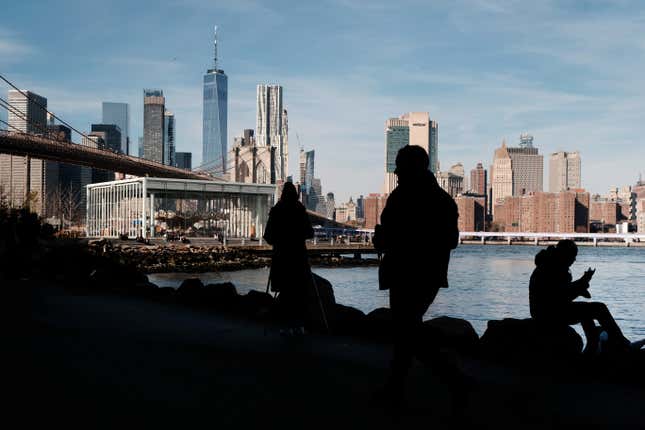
(215,117)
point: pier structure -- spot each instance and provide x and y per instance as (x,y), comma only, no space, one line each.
(164,207)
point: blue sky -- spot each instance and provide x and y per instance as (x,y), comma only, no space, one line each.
(572,73)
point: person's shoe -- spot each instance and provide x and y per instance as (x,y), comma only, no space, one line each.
(635,346)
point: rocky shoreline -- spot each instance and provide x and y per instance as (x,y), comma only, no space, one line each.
(199,259)
(102,268)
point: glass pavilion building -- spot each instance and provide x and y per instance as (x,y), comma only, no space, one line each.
(151,207)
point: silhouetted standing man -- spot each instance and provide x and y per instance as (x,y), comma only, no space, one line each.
(417,232)
(287,230)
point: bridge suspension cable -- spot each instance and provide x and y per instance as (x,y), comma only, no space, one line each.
(43,107)
(14,110)
(9,125)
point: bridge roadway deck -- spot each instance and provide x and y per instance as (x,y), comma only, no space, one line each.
(22,144)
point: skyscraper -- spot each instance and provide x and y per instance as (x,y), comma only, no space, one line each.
(424,133)
(272,127)
(309,169)
(564,171)
(153,121)
(112,137)
(308,197)
(184,160)
(316,197)
(527,165)
(99,139)
(478,180)
(501,176)
(397,135)
(25,177)
(169,138)
(119,114)
(214,131)
(433,152)
(412,128)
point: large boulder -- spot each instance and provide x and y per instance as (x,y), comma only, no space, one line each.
(191,291)
(220,296)
(320,304)
(145,289)
(510,340)
(348,320)
(378,324)
(256,304)
(453,333)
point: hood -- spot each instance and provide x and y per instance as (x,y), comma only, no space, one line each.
(546,256)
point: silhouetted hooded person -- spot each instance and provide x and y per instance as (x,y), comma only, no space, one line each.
(418,230)
(552,293)
(287,230)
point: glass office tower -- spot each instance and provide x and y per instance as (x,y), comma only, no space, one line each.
(119,114)
(214,133)
(169,138)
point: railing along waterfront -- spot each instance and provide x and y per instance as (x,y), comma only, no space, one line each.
(593,239)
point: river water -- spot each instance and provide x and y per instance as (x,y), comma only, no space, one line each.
(486,282)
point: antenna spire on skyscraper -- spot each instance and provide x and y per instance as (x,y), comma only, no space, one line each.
(215,49)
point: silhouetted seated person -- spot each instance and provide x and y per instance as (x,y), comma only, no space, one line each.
(287,230)
(552,293)
(414,270)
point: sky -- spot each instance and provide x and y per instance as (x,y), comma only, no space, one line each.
(571,73)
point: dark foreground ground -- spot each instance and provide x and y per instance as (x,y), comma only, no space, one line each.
(110,361)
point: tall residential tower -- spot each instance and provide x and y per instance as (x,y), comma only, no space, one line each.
(214,131)
(564,171)
(153,119)
(273,128)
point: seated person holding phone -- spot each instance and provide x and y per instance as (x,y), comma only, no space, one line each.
(552,293)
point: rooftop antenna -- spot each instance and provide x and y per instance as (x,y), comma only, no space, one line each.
(215,49)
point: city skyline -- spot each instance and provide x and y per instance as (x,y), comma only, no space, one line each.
(575,87)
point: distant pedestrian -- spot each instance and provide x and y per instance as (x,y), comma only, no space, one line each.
(287,230)
(413,270)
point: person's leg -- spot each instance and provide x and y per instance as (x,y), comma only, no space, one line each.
(592,335)
(403,327)
(589,311)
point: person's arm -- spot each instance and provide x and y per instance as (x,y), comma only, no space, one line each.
(381,231)
(307,228)
(580,287)
(453,222)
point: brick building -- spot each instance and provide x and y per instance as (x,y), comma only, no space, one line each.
(564,212)
(373,206)
(471,212)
